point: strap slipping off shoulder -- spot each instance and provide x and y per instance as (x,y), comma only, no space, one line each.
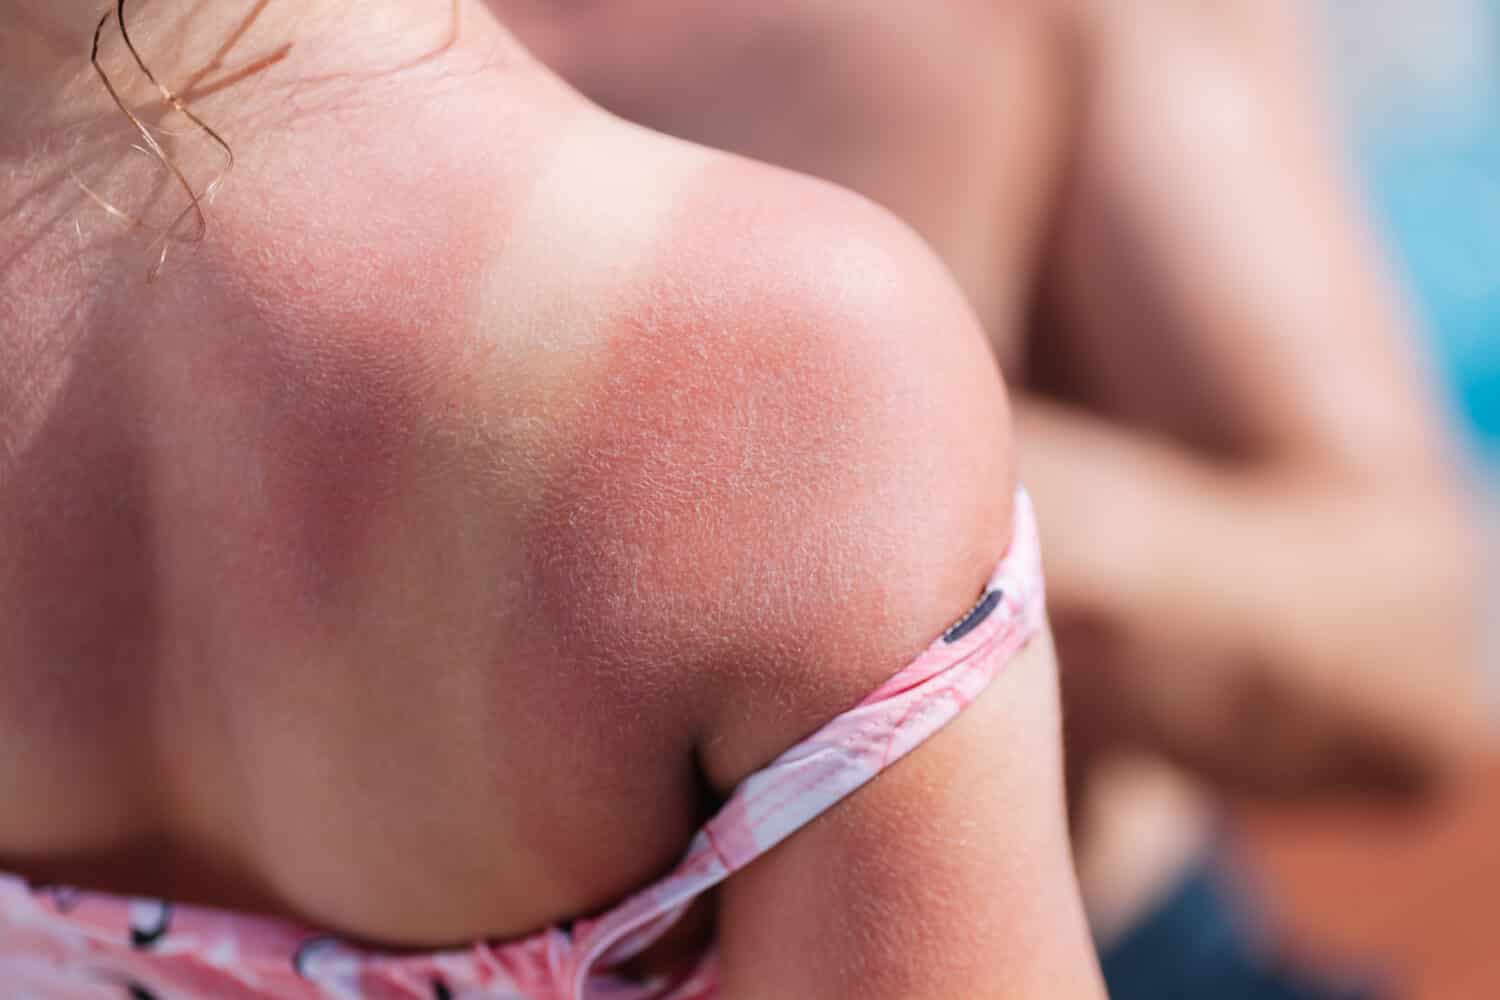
(817,773)
(65,944)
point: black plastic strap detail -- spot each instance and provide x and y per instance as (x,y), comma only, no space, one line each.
(969,622)
(142,938)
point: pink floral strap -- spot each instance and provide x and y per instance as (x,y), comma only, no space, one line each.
(817,773)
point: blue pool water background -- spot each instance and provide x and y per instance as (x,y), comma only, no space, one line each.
(1439,202)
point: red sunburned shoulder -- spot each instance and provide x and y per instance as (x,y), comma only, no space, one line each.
(792,468)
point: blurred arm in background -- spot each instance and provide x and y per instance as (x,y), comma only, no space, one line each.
(1260,563)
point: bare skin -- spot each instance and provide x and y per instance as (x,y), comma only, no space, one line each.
(1259,565)
(443,490)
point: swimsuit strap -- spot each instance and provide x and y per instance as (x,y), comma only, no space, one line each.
(817,773)
(60,943)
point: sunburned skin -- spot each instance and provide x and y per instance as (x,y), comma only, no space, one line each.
(337,347)
(1212,361)
(724,448)
(549,489)
(312,475)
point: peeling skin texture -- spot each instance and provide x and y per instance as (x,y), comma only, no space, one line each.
(516,479)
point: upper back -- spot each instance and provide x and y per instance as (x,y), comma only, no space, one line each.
(263,521)
(397,519)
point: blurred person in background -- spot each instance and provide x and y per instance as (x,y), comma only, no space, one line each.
(1420,84)
(1262,571)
